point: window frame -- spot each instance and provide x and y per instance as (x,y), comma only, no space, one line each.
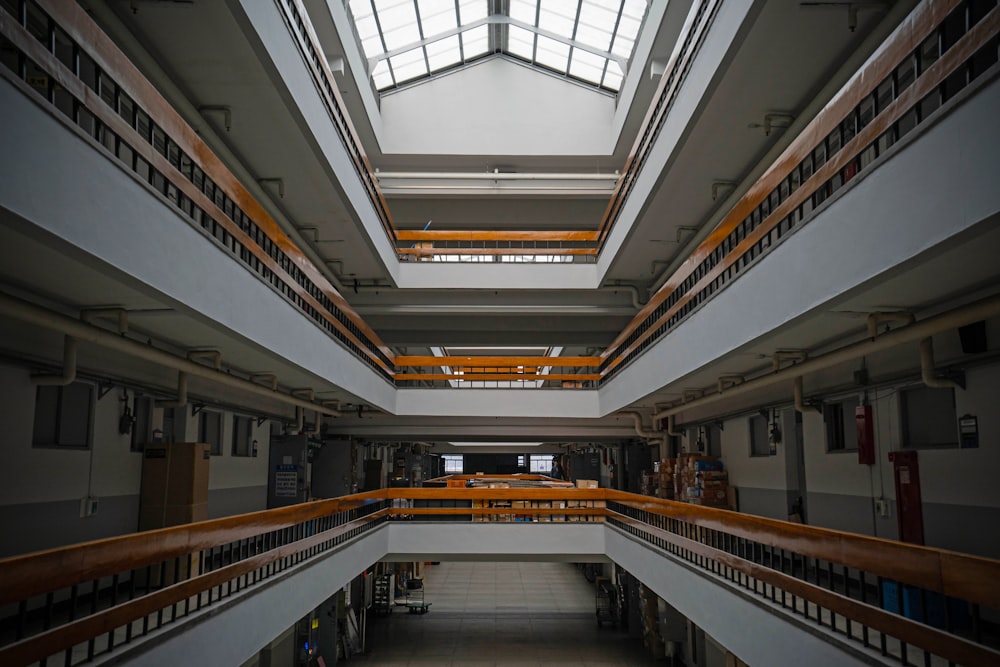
(137,440)
(60,391)
(752,437)
(234,449)
(449,460)
(835,444)
(215,448)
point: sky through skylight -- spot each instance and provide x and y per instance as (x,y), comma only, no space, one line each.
(586,40)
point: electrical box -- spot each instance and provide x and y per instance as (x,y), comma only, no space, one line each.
(866,434)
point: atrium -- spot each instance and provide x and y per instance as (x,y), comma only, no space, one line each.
(353,246)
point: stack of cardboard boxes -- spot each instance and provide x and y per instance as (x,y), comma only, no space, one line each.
(664,470)
(701,480)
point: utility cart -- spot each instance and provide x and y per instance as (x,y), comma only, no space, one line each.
(607,602)
(415,602)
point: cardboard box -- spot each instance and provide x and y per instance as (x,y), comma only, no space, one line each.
(586,483)
(456,483)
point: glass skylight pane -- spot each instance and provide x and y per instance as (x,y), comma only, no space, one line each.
(398,19)
(552,53)
(437,17)
(475,42)
(558,17)
(586,66)
(622,46)
(381,76)
(597,20)
(523,10)
(367,28)
(408,65)
(520,42)
(443,53)
(628,27)
(612,79)
(372,46)
(472,10)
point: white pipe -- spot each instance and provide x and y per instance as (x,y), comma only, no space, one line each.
(215,356)
(982,309)
(182,393)
(927,368)
(874,319)
(119,314)
(300,420)
(28,312)
(492,176)
(640,430)
(633,291)
(799,402)
(69,367)
(781,355)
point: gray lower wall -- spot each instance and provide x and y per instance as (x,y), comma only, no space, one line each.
(966,528)
(772,503)
(854,514)
(34,526)
(236,500)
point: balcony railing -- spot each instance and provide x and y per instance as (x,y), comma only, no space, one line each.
(54,52)
(941,48)
(910,603)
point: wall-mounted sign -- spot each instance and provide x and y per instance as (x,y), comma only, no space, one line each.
(968,431)
(286,481)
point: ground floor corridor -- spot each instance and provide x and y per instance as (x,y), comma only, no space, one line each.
(502,614)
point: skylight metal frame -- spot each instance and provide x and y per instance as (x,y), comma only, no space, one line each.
(383,62)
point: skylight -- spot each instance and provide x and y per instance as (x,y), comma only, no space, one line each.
(586,40)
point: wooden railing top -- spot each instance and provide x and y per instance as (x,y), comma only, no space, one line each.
(495,362)
(72,18)
(495,235)
(904,39)
(964,576)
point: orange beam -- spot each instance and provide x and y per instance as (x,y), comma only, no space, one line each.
(428,252)
(505,362)
(493,235)
(468,377)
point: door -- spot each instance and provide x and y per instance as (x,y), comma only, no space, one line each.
(909,508)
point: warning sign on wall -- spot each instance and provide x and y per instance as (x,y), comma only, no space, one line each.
(286,481)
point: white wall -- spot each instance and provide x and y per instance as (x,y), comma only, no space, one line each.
(41,488)
(959,490)
(492,109)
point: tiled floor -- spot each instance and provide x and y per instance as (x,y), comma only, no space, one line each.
(502,614)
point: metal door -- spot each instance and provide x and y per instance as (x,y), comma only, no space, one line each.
(909,508)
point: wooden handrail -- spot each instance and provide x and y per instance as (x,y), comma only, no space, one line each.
(963,576)
(70,634)
(33,574)
(495,362)
(969,578)
(472,377)
(921,22)
(695,27)
(72,18)
(912,632)
(493,235)
(430,252)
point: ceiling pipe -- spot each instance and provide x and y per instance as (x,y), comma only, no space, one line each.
(300,420)
(315,430)
(640,429)
(492,176)
(270,377)
(69,367)
(215,356)
(800,404)
(32,314)
(672,425)
(119,314)
(874,319)
(182,393)
(796,356)
(983,309)
(729,381)
(927,373)
(633,291)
